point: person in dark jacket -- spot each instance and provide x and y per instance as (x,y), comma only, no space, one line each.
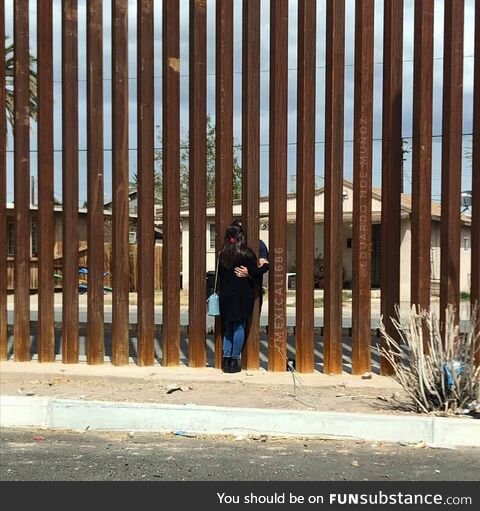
(236,294)
(242,271)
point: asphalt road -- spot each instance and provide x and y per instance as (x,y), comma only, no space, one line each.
(58,456)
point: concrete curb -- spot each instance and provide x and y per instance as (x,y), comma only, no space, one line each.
(44,412)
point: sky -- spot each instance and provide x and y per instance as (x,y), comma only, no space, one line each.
(264,90)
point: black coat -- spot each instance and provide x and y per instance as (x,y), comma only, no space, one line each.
(237,293)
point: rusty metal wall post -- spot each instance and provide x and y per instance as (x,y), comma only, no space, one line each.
(391,166)
(120,183)
(475,248)
(198,183)
(223,136)
(46,221)
(362,189)
(70,233)
(305,242)
(451,159)
(146,183)
(171,184)
(251,161)
(334,146)
(277,208)
(422,154)
(22,182)
(3,192)
(95,173)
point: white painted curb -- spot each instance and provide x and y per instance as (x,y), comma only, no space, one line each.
(22,411)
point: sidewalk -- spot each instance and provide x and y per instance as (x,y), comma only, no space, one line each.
(190,401)
(318,312)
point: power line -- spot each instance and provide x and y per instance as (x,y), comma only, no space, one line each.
(186,75)
(239,146)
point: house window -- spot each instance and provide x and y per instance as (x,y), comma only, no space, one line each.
(466,243)
(11,239)
(34,240)
(132,235)
(213,235)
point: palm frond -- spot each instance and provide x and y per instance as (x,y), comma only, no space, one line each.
(9,85)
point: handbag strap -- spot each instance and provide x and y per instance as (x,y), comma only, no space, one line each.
(216,273)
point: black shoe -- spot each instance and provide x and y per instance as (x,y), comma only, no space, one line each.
(234,365)
(226,364)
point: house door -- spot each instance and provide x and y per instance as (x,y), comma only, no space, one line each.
(376,256)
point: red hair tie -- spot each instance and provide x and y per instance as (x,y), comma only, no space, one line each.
(232,241)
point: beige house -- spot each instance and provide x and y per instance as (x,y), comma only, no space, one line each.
(406,208)
(406,238)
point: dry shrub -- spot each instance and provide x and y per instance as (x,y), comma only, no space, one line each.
(437,376)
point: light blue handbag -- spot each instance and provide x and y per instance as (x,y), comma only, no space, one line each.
(213,301)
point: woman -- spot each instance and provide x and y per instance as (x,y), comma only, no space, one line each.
(236,293)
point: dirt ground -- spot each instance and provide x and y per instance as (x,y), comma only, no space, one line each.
(256,389)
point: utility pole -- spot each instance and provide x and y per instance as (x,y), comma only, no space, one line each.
(404,152)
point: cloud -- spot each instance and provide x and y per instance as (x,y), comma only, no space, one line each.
(264,87)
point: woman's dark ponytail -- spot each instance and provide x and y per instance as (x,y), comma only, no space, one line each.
(235,248)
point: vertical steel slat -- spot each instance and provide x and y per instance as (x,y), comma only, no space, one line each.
(475,248)
(198,183)
(391,166)
(22,182)
(171,183)
(422,154)
(251,161)
(46,221)
(223,135)
(362,187)
(334,111)
(305,242)
(451,158)
(95,172)
(3,192)
(70,233)
(277,317)
(146,184)
(120,183)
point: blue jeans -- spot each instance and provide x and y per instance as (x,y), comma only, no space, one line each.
(234,338)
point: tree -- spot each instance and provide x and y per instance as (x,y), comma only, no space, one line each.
(9,85)
(469,153)
(184,169)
